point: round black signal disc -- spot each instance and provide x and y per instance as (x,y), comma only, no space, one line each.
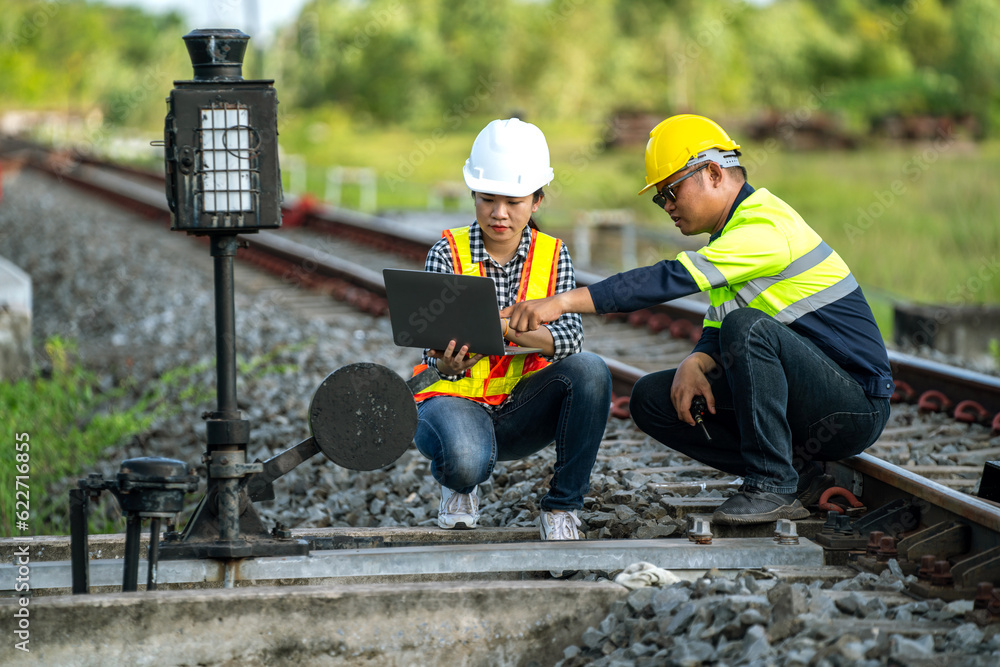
(363,416)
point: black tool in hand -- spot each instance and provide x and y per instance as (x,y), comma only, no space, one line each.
(698,408)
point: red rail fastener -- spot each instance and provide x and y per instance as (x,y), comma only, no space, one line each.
(639,317)
(886,549)
(303,207)
(680,328)
(340,290)
(361,300)
(695,334)
(838,492)
(994,604)
(933,400)
(658,322)
(904,393)
(874,539)
(971,412)
(378,306)
(619,407)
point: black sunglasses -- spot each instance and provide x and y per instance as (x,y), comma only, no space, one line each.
(667,193)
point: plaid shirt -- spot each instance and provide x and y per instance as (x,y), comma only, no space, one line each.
(567,331)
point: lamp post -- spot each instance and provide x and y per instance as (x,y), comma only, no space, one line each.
(223,179)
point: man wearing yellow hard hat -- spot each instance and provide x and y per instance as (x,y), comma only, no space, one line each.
(790,362)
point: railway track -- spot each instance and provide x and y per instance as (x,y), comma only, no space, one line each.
(919,474)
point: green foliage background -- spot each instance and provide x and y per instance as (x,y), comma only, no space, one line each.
(73,56)
(414,61)
(423,61)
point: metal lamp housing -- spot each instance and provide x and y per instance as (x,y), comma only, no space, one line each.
(221,142)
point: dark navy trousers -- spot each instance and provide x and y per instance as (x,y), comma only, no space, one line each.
(780,404)
(566,402)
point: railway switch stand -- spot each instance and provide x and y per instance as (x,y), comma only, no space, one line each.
(222,180)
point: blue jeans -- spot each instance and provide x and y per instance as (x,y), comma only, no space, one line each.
(781,405)
(566,402)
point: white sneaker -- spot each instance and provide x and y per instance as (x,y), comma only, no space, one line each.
(458,510)
(559,525)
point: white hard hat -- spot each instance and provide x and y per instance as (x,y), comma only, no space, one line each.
(508,158)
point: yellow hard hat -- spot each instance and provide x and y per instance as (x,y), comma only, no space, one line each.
(685,140)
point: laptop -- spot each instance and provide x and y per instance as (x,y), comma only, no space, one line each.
(428,309)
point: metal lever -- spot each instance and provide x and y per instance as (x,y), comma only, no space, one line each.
(339,412)
(259,486)
(422,380)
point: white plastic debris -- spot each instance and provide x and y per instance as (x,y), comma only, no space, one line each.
(642,574)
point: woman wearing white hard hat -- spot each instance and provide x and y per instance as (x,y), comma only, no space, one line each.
(489,409)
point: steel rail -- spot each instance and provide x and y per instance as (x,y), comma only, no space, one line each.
(974,509)
(959,504)
(317,260)
(144,197)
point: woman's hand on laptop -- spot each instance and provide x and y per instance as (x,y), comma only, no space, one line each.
(452,361)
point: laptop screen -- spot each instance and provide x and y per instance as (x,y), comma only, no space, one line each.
(428,310)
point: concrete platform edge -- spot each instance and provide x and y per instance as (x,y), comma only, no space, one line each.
(467,623)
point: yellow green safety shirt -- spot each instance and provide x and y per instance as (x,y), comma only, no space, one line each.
(766,257)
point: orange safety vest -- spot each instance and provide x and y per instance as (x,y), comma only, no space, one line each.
(492,379)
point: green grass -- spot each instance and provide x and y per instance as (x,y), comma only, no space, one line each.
(67,422)
(71,423)
(915,222)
